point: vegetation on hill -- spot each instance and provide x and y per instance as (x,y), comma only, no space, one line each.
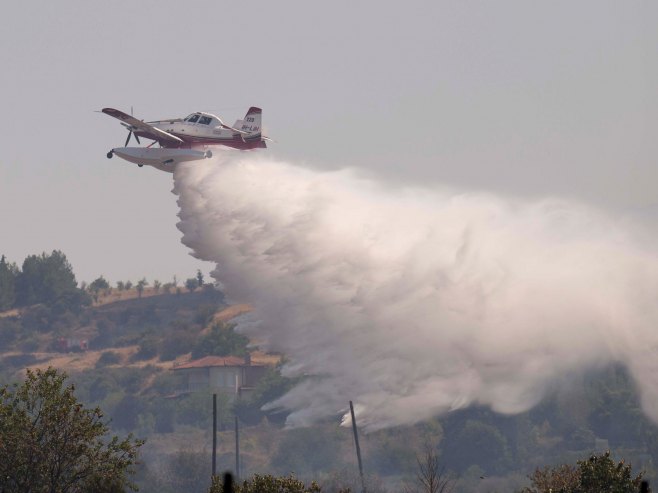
(134,335)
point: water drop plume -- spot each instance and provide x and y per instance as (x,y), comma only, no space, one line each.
(414,302)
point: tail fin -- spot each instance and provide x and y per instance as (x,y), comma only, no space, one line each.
(251,123)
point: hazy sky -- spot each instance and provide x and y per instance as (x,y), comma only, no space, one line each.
(517,97)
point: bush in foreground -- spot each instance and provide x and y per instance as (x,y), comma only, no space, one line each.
(50,442)
(598,474)
(267,484)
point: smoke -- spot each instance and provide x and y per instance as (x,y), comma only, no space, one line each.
(415,302)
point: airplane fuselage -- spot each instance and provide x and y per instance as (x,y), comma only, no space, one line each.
(207,129)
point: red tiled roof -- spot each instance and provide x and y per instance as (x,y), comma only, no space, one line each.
(209,361)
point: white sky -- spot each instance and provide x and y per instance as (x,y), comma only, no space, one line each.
(523,97)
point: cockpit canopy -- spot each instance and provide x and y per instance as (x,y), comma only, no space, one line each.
(201,119)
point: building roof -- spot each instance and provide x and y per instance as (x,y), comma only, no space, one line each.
(212,361)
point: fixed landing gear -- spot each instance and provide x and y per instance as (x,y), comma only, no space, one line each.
(110,154)
(140,165)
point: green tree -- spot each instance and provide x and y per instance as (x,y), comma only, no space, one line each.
(267,484)
(597,474)
(141,285)
(98,285)
(8,274)
(44,278)
(191,284)
(601,474)
(49,279)
(221,341)
(50,442)
(199,278)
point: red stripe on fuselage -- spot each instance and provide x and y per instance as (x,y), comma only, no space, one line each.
(191,140)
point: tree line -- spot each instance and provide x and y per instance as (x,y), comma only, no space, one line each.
(42,279)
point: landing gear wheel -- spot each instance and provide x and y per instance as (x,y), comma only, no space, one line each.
(110,154)
(140,165)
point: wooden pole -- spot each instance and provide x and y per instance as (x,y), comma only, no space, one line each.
(214,434)
(358,448)
(237,451)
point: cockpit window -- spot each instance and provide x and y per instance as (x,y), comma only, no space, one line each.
(192,118)
(205,120)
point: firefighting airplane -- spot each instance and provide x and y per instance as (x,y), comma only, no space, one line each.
(186,139)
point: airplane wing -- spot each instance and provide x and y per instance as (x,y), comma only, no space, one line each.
(154,133)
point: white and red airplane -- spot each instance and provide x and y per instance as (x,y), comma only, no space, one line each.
(186,139)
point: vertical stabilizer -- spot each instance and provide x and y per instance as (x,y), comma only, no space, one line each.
(251,123)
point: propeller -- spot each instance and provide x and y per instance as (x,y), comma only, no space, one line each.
(130,132)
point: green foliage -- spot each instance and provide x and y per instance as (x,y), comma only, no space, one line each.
(597,474)
(195,409)
(38,318)
(175,343)
(140,286)
(108,358)
(272,386)
(51,442)
(101,387)
(167,383)
(99,284)
(126,413)
(601,474)
(191,284)
(8,275)
(204,314)
(49,279)
(148,347)
(221,341)
(187,471)
(268,484)
(132,380)
(199,278)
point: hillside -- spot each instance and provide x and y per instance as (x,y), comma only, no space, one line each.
(120,344)
(120,351)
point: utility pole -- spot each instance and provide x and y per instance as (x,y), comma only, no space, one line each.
(358,448)
(237,451)
(214,434)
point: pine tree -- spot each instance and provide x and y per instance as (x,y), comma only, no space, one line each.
(8,273)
